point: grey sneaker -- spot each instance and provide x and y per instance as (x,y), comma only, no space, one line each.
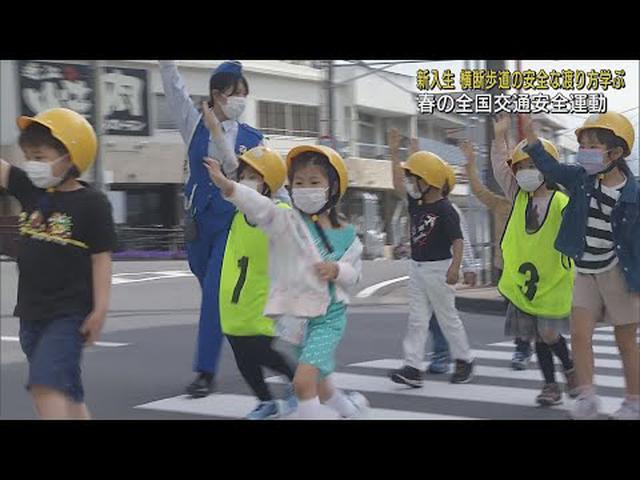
(586,407)
(360,402)
(628,411)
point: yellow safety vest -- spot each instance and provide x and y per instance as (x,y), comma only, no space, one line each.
(537,278)
(244,281)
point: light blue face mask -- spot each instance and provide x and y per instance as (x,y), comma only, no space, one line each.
(593,160)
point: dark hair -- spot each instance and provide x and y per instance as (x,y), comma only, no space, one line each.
(265,188)
(551,185)
(222,82)
(611,140)
(608,138)
(37,135)
(315,158)
(445,190)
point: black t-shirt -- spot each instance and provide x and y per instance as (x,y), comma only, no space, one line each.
(434,227)
(59,232)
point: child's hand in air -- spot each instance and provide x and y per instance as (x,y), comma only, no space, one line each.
(225,185)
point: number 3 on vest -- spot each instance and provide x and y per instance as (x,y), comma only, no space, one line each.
(530,287)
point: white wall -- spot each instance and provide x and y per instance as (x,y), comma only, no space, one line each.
(8,102)
(374,92)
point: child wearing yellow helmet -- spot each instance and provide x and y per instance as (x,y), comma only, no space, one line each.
(601,232)
(436,256)
(64,260)
(244,286)
(500,206)
(537,279)
(314,259)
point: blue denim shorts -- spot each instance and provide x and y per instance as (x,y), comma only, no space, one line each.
(54,352)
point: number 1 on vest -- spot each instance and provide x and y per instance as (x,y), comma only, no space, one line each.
(243,265)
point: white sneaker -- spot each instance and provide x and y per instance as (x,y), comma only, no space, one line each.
(586,407)
(628,411)
(360,402)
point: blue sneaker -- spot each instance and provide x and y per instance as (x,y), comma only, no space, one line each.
(520,360)
(439,364)
(264,411)
(287,406)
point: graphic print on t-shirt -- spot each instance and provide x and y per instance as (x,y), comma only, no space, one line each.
(57,228)
(422,228)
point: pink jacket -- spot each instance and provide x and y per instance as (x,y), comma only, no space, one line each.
(295,289)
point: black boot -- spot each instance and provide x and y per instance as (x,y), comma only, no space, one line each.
(201,386)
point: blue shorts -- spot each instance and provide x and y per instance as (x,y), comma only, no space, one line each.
(54,351)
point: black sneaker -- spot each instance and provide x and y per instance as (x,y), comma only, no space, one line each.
(408,376)
(463,373)
(201,387)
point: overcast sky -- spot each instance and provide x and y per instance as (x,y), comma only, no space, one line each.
(624,101)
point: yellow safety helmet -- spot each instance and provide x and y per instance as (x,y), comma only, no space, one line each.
(72,130)
(614,122)
(335,160)
(519,155)
(451,177)
(267,163)
(429,167)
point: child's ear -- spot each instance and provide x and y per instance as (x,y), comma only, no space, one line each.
(616,154)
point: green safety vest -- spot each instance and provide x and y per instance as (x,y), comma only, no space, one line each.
(537,278)
(244,282)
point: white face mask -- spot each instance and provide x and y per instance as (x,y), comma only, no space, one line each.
(234,107)
(592,159)
(41,173)
(412,189)
(310,200)
(529,180)
(252,184)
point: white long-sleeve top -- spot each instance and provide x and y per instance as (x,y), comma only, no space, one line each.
(295,289)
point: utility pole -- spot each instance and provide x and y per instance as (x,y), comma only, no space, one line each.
(330,106)
(496,65)
(98,169)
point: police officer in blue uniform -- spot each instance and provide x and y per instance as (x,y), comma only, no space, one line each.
(208,216)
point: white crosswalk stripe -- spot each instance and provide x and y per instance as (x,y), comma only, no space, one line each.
(237,406)
(596,348)
(495,384)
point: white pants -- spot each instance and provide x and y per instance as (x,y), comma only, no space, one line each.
(429,293)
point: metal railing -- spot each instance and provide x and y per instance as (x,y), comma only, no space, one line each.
(150,238)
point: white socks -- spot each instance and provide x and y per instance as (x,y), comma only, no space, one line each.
(309,409)
(341,404)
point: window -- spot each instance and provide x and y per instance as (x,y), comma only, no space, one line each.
(165,119)
(272,118)
(365,118)
(305,120)
(287,119)
(144,208)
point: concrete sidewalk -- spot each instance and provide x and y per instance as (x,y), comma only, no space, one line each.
(484,300)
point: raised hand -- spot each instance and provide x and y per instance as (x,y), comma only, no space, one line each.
(467,148)
(501,125)
(210,119)
(528,130)
(225,185)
